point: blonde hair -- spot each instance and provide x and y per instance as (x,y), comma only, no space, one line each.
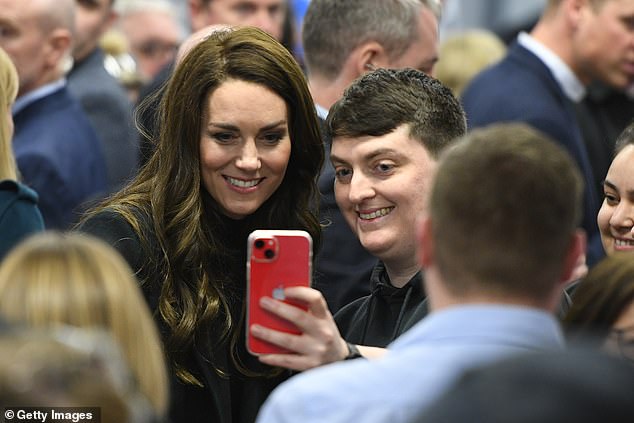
(8,91)
(464,55)
(54,279)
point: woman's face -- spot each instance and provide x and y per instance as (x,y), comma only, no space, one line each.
(616,216)
(245,146)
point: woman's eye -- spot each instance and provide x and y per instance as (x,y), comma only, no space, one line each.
(223,137)
(611,199)
(272,138)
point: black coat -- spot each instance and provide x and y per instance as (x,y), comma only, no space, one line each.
(232,399)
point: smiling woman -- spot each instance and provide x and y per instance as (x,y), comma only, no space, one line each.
(603,303)
(239,149)
(616,216)
(245,146)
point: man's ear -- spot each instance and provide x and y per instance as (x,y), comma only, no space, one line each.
(369,56)
(574,11)
(576,251)
(425,240)
(59,43)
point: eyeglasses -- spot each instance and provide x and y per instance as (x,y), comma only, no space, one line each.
(155,48)
(625,341)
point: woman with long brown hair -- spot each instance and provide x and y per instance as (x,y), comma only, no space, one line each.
(238,149)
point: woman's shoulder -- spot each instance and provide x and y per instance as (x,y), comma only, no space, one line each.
(116,230)
(109,225)
(18,206)
(16,190)
(19,214)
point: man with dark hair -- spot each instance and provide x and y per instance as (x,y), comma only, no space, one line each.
(343,40)
(497,254)
(388,130)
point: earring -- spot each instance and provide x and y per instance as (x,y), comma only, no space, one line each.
(370,67)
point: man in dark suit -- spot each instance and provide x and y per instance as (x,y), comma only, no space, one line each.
(342,41)
(544,73)
(57,151)
(102,97)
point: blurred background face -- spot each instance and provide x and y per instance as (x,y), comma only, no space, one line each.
(423,52)
(154,37)
(604,43)
(267,15)
(616,216)
(23,40)
(92,19)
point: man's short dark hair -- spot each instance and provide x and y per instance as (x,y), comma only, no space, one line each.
(383,100)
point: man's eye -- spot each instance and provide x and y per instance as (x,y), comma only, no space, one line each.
(244,8)
(343,175)
(6,32)
(385,167)
(89,4)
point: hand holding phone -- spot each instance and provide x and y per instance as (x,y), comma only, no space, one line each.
(276,259)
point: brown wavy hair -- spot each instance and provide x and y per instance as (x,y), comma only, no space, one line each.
(184,221)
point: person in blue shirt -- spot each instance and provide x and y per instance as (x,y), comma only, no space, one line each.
(497,242)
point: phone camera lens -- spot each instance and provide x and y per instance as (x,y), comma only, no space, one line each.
(259,244)
(269,254)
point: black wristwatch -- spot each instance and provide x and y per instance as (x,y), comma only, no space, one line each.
(353,352)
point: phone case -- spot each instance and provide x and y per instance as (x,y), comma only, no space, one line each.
(276,259)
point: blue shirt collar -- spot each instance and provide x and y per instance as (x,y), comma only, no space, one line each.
(24,100)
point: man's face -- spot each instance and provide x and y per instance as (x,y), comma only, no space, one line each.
(267,15)
(422,54)
(603,43)
(92,19)
(381,186)
(154,37)
(21,36)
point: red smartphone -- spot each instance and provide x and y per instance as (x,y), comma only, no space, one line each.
(276,259)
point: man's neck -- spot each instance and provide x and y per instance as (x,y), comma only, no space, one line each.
(555,35)
(327,91)
(441,298)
